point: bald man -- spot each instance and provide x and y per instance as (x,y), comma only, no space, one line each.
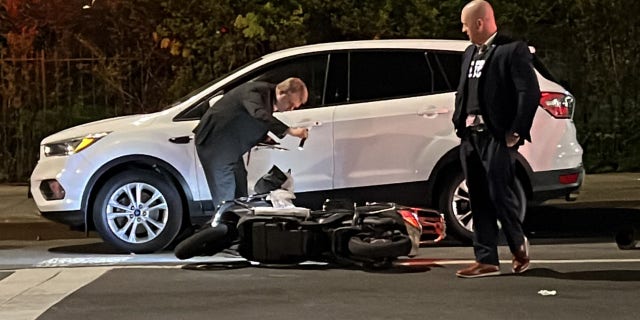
(496,100)
(236,123)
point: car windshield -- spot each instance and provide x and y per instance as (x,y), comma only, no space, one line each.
(207,85)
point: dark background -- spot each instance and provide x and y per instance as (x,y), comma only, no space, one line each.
(62,65)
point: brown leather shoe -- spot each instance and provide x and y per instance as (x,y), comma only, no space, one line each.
(478,270)
(521,260)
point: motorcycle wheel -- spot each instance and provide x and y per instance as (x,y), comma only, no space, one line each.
(205,242)
(361,245)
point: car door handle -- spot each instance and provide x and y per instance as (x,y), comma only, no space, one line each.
(431,112)
(180,140)
(309,124)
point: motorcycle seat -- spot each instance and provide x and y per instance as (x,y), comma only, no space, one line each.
(378,221)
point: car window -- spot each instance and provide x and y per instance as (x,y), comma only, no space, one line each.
(311,69)
(337,89)
(376,75)
(194,113)
(446,70)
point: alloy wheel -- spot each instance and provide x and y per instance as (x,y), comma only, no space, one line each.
(461,206)
(137,212)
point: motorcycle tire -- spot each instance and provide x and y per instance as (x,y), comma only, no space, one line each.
(205,242)
(377,248)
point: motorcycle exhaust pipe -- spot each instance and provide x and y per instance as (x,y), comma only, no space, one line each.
(627,238)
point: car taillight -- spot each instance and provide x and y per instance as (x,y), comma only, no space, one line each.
(559,105)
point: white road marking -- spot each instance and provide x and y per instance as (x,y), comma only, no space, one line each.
(550,261)
(64,262)
(560,261)
(26,294)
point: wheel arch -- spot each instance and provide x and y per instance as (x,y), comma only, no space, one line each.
(451,161)
(140,162)
(524,173)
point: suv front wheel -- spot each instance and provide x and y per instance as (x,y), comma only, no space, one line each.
(138,211)
(455,204)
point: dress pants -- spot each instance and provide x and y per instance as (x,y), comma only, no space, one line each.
(224,169)
(489,167)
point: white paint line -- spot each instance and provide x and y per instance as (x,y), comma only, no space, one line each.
(26,294)
(65,262)
(559,261)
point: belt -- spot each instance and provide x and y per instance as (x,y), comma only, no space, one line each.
(475,123)
(474,120)
(477,128)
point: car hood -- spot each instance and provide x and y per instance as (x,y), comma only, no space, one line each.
(124,123)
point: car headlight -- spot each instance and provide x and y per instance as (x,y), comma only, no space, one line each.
(73,145)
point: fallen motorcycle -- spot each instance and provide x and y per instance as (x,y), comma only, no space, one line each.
(372,235)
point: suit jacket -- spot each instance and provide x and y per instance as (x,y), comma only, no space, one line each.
(508,90)
(241,118)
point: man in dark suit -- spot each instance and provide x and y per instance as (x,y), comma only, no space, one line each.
(495,104)
(236,123)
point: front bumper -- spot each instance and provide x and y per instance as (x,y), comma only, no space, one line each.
(70,174)
(74,219)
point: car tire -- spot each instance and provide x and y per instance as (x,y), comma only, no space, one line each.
(627,238)
(374,248)
(205,242)
(138,211)
(454,202)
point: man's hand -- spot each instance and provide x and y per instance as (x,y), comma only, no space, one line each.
(512,139)
(301,133)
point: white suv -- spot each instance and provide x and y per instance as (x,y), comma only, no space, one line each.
(380,118)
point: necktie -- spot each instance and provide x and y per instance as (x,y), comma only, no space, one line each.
(482,49)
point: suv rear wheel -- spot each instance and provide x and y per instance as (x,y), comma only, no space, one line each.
(455,204)
(138,211)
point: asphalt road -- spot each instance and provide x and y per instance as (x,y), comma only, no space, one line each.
(586,279)
(610,292)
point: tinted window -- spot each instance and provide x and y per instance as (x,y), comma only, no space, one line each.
(378,75)
(311,69)
(337,90)
(194,112)
(446,70)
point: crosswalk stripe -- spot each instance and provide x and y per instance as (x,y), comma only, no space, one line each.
(26,294)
